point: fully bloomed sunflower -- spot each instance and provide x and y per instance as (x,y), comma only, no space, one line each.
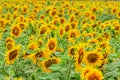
(12,55)
(90,73)
(16,31)
(52,44)
(94,74)
(93,58)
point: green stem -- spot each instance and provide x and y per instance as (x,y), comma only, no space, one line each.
(69,69)
(3,66)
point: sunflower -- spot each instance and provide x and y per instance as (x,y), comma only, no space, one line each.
(72,18)
(52,43)
(79,56)
(94,74)
(114,10)
(74,24)
(9,39)
(53,12)
(87,14)
(47,63)
(23,26)
(118,14)
(12,55)
(20,18)
(33,45)
(74,33)
(72,50)
(94,9)
(61,32)
(67,27)
(85,71)
(55,60)
(9,45)
(16,31)
(2,24)
(62,20)
(92,18)
(26,55)
(39,54)
(93,58)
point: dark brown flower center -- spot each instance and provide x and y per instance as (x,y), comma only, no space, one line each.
(13,54)
(9,46)
(67,28)
(48,63)
(72,51)
(15,31)
(92,58)
(39,54)
(54,61)
(72,35)
(51,46)
(53,13)
(80,58)
(43,30)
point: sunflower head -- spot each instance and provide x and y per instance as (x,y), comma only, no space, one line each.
(67,27)
(9,39)
(52,43)
(33,45)
(9,45)
(26,55)
(16,31)
(62,20)
(72,50)
(93,58)
(61,32)
(85,72)
(2,24)
(11,55)
(47,63)
(94,74)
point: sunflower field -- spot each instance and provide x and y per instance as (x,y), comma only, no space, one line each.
(59,40)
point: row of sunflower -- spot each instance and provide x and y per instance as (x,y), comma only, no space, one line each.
(46,31)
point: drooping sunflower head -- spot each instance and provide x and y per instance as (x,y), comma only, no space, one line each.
(52,44)
(35,57)
(46,64)
(16,31)
(11,55)
(93,58)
